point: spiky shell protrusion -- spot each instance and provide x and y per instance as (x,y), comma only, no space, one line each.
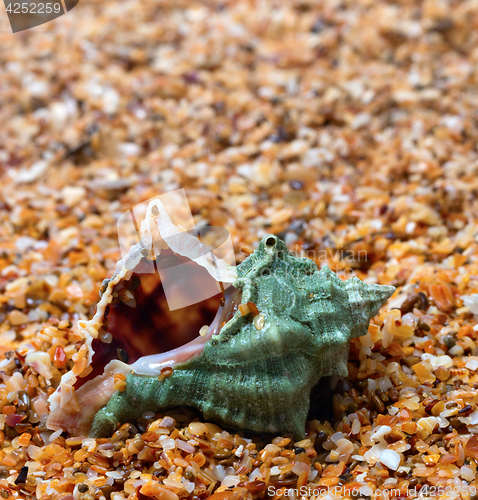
(260,379)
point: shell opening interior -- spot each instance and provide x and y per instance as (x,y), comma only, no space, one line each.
(139,322)
(271,241)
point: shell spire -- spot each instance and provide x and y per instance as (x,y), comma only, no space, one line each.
(365,301)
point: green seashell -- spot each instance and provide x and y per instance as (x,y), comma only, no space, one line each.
(260,379)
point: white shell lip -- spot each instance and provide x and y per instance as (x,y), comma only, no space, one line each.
(153,364)
(157,223)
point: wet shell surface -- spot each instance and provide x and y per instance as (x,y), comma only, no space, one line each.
(282,326)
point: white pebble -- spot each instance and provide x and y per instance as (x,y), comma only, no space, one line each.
(72,195)
(356,426)
(189,486)
(219,472)
(392,367)
(313,475)
(89,443)
(471,301)
(235,480)
(272,448)
(474,418)
(374,453)
(366,491)
(335,437)
(114,474)
(384,384)
(380,432)
(456,350)
(169,444)
(275,471)
(55,435)
(34,452)
(23,243)
(91,474)
(390,459)
(40,361)
(255,473)
(344,446)
(443,422)
(409,319)
(467,473)
(472,365)
(390,481)
(116,495)
(259,322)
(444,361)
(427,357)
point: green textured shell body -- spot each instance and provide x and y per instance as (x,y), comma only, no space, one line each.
(260,379)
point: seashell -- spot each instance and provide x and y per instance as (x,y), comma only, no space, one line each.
(247,373)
